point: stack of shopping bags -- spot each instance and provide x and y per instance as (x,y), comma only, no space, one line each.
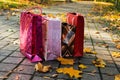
(47,38)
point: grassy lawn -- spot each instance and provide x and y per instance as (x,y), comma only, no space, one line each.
(8,4)
(109,15)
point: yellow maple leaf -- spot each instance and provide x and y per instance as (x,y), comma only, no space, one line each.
(89,50)
(65,61)
(116,54)
(51,15)
(70,71)
(116,40)
(118,46)
(82,66)
(94,52)
(117,77)
(62,16)
(99,63)
(41,68)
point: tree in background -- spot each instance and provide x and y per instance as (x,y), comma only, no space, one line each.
(68,0)
(117,3)
(41,1)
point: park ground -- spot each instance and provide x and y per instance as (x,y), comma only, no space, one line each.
(97,36)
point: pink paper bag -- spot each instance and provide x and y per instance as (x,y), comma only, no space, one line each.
(31,35)
(53,41)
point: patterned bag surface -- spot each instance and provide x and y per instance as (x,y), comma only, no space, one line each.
(68,36)
(77,20)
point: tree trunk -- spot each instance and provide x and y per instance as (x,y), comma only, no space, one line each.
(117,3)
(68,0)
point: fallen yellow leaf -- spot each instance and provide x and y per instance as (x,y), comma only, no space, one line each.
(118,46)
(82,66)
(65,61)
(41,68)
(116,40)
(70,71)
(51,15)
(94,52)
(99,63)
(87,50)
(117,77)
(62,16)
(116,54)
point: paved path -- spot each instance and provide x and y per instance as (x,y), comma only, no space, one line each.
(17,67)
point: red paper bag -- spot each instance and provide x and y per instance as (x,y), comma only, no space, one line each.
(77,20)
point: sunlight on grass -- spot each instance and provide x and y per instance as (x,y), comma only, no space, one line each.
(104,3)
(7,4)
(109,15)
(14,2)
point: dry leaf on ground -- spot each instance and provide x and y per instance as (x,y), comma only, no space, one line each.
(51,15)
(92,73)
(54,75)
(82,66)
(70,71)
(41,68)
(105,45)
(6,75)
(117,77)
(97,32)
(102,44)
(94,52)
(89,50)
(62,16)
(116,54)
(118,46)
(105,28)
(116,40)
(65,61)
(99,63)
(17,77)
(46,77)
(3,77)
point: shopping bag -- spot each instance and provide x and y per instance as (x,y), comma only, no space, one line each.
(77,20)
(31,35)
(52,47)
(68,36)
(40,36)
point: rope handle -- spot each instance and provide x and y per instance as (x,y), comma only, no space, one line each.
(35,7)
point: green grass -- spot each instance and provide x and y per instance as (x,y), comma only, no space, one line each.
(10,5)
